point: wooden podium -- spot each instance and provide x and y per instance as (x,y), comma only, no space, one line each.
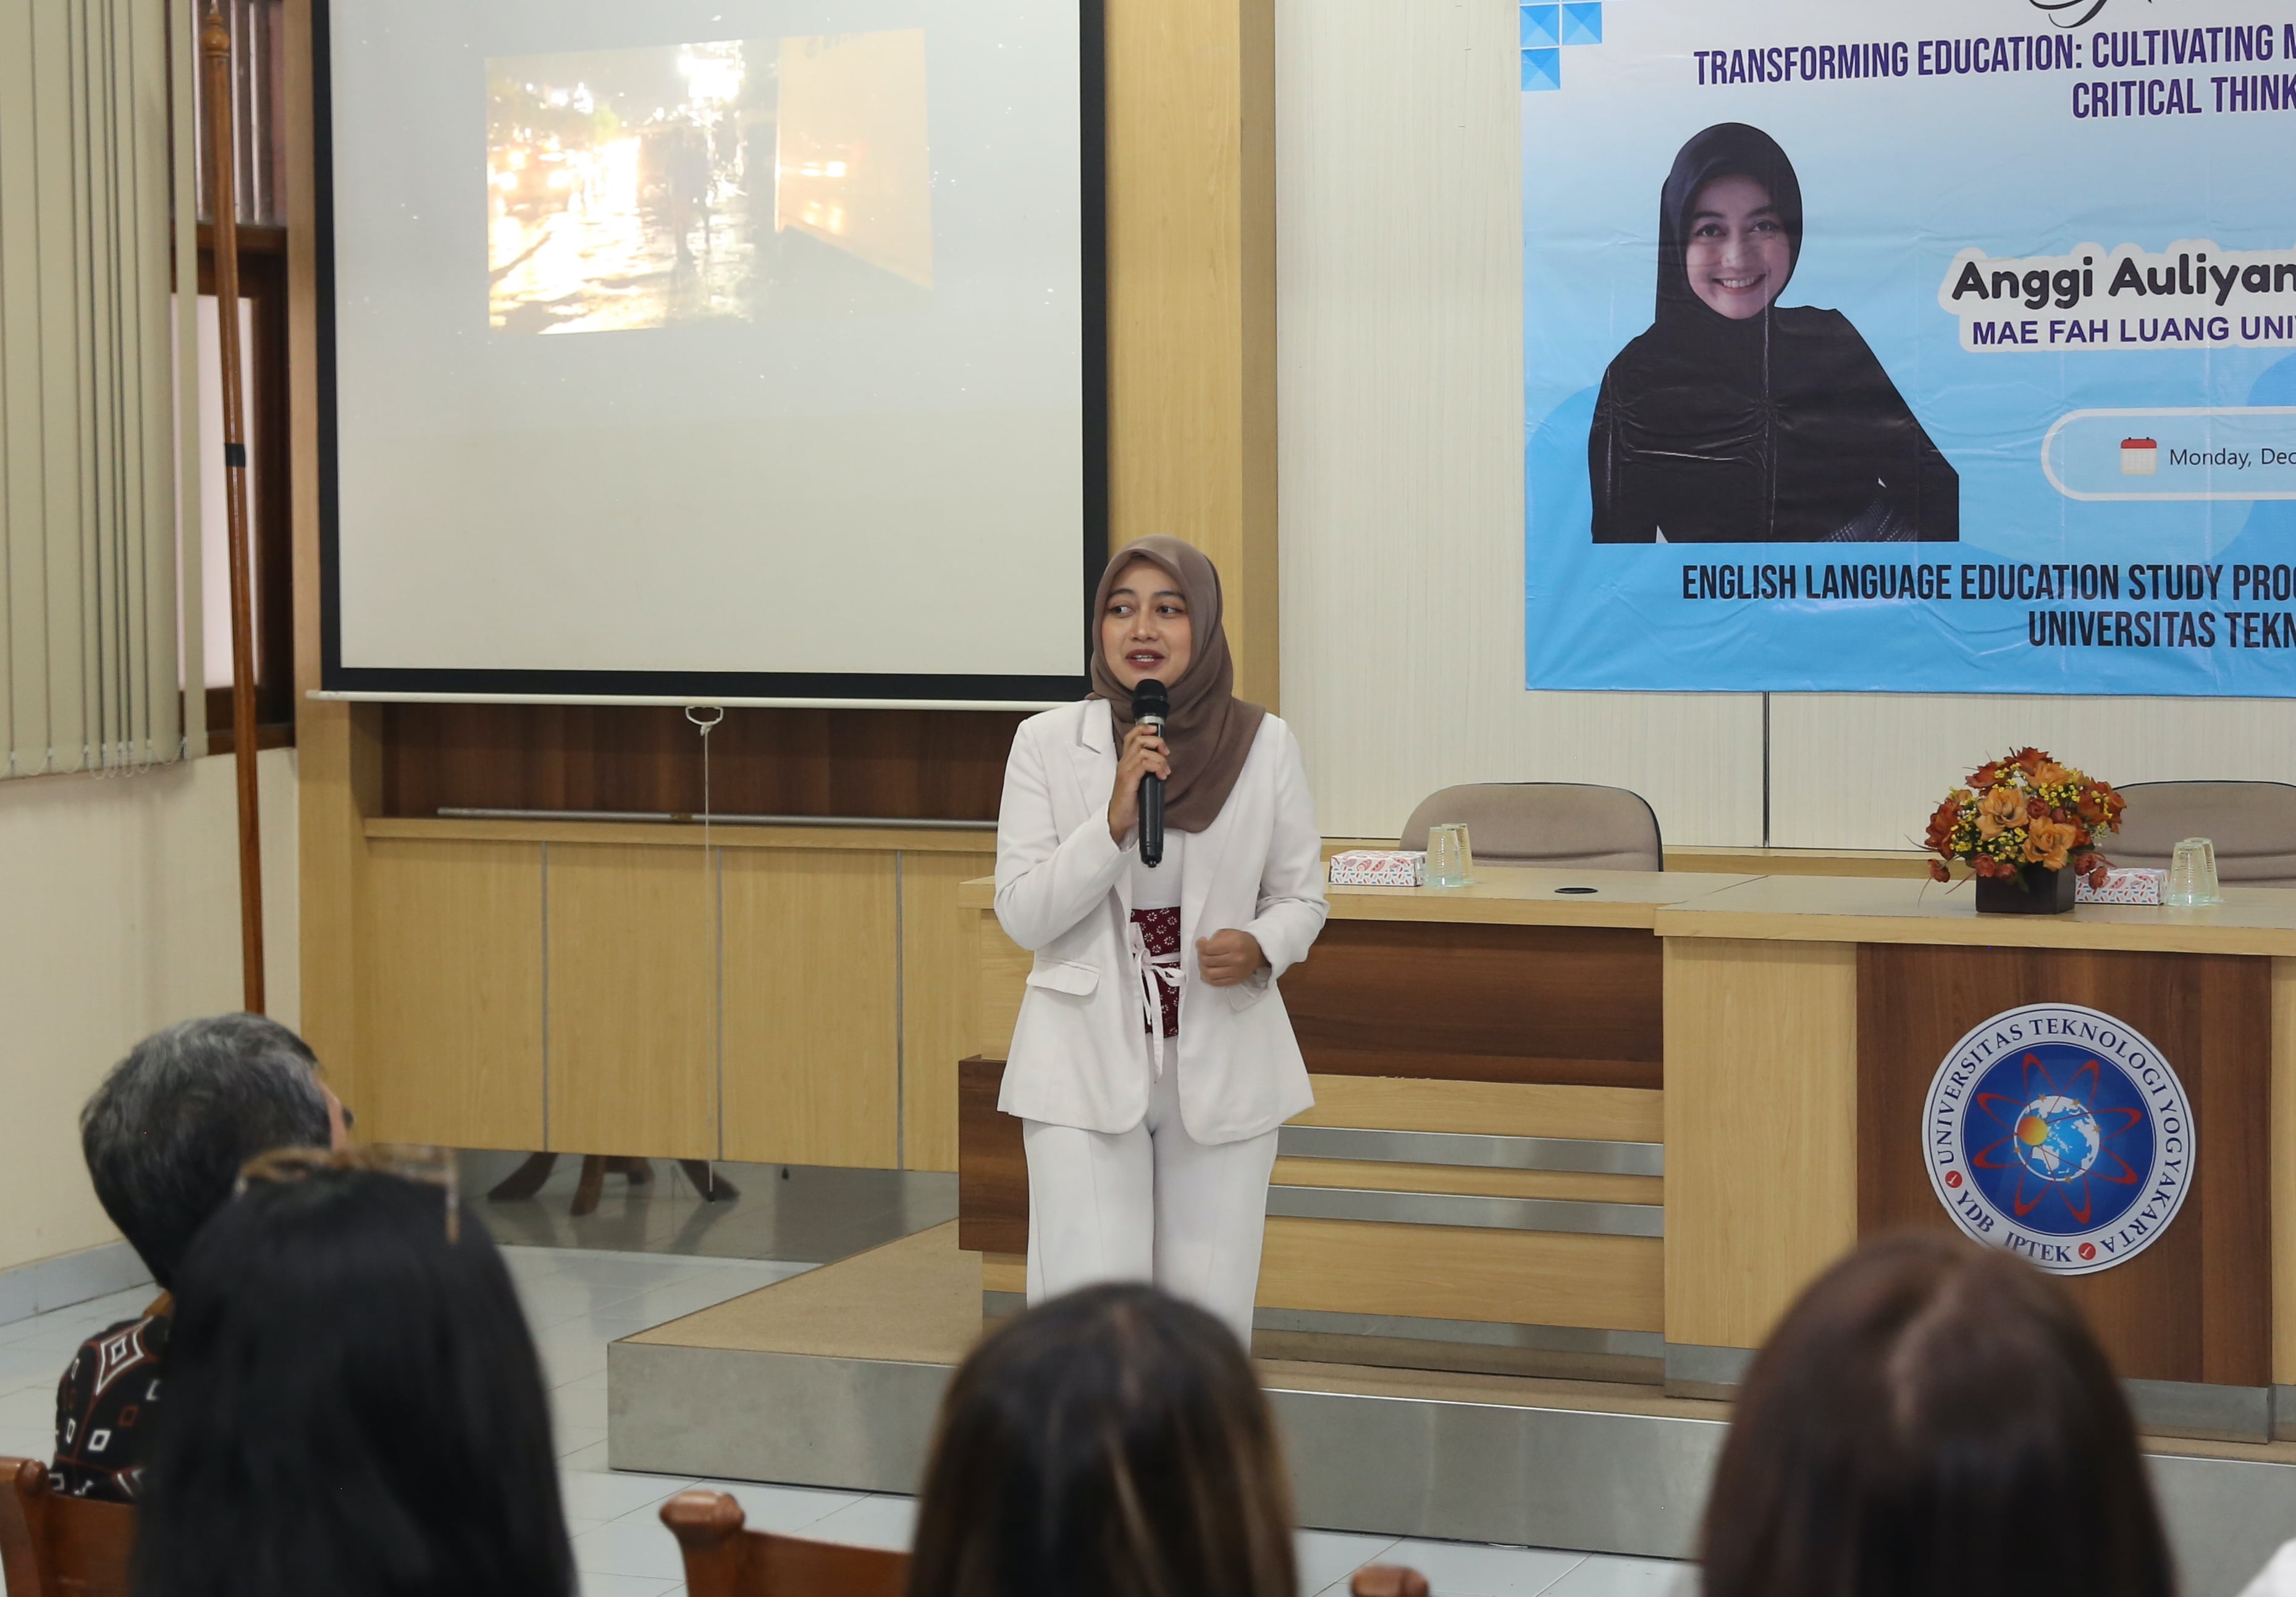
(2197,1305)
(1892,974)
(1485,1146)
(1614,1133)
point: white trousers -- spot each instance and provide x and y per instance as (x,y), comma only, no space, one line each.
(1149,1204)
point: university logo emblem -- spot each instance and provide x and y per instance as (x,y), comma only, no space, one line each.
(2062,1134)
(2071,13)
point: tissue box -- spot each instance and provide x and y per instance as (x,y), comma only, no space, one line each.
(1380,868)
(2134,885)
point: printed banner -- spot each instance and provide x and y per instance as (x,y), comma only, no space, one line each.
(1946,348)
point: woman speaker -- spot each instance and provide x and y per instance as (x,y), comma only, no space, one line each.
(1153,1061)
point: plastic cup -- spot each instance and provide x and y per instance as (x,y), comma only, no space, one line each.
(1448,860)
(2192,881)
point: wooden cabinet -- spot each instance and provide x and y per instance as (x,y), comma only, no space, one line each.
(452,993)
(631,963)
(812,1006)
(783,997)
(938,1000)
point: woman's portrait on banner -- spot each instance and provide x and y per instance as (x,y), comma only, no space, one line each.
(1734,418)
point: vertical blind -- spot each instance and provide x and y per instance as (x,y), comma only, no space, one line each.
(88,662)
(258,90)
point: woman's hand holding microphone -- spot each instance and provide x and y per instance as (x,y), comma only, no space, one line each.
(1224,958)
(1143,754)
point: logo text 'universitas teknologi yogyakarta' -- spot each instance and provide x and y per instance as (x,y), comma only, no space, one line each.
(2060,1133)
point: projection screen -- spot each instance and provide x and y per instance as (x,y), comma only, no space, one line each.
(742,350)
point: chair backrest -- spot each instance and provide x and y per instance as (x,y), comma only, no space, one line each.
(2251,823)
(1563,824)
(52,1545)
(722,1560)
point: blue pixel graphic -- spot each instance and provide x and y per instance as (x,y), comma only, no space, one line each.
(1548,27)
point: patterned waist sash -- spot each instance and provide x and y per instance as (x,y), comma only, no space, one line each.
(1155,942)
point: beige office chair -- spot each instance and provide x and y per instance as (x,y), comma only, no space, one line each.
(1558,825)
(2252,823)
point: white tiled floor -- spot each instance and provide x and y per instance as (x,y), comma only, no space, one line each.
(579,1301)
(32,1354)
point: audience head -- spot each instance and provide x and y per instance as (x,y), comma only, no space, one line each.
(1113,1441)
(354,1404)
(165,1134)
(1932,1418)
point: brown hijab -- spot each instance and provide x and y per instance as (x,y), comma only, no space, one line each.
(1209,730)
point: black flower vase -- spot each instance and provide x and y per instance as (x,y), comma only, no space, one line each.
(2032,891)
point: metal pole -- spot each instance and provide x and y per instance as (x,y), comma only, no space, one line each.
(214,45)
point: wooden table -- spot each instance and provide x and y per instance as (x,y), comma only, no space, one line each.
(1657,1109)
(1806,1017)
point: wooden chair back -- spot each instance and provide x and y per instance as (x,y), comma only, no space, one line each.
(722,1560)
(52,1545)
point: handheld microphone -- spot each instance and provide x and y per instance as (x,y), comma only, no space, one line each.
(1150,705)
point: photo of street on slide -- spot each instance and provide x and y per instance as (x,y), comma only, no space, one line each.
(737,180)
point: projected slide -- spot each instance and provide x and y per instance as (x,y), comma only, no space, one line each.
(724,180)
(746,348)
(853,170)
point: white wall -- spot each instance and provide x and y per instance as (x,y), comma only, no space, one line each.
(119,915)
(1865,771)
(1400,302)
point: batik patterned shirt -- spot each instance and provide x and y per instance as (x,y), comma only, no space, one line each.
(105,1405)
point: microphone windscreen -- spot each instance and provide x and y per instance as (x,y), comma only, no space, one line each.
(1149,699)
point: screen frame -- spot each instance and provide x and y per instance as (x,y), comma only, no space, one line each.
(887,689)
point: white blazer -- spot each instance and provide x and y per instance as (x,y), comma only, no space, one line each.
(1080,1051)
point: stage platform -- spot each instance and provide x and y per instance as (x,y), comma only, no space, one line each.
(830,1378)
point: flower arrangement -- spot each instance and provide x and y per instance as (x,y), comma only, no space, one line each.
(2022,811)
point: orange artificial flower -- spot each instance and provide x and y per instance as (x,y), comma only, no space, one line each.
(1938,872)
(1942,821)
(2015,825)
(2001,809)
(2049,843)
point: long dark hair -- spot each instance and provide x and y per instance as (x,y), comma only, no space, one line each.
(353,1406)
(1932,1420)
(1115,1442)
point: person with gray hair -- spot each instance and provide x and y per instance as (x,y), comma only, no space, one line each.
(164,1137)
